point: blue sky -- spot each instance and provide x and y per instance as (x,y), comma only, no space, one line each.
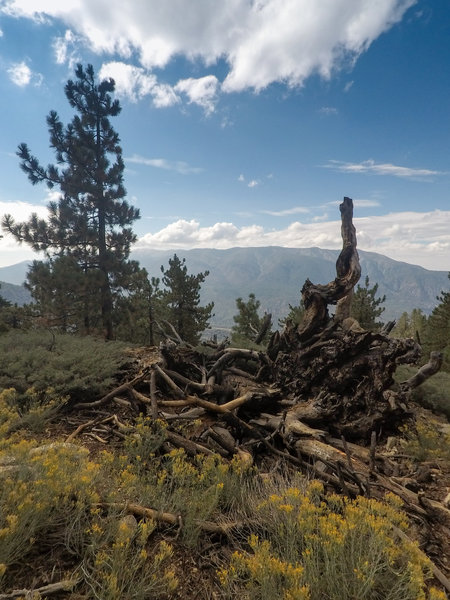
(245,122)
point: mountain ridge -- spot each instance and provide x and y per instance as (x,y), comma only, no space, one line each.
(276,274)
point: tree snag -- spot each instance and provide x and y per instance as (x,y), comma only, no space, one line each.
(339,374)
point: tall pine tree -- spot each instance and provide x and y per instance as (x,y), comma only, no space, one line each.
(91,221)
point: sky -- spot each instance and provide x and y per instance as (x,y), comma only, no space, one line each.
(246,122)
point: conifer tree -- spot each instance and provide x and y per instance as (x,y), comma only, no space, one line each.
(248,323)
(182,300)
(410,325)
(139,312)
(295,314)
(58,287)
(365,307)
(91,221)
(437,334)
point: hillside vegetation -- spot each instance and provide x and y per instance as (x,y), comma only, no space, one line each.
(93,512)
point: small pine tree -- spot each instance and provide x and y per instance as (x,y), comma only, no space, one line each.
(248,323)
(181,297)
(295,315)
(437,333)
(138,313)
(410,325)
(365,307)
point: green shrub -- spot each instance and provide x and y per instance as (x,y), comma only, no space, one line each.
(433,394)
(82,368)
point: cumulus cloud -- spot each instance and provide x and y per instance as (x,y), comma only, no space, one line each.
(201,91)
(20,74)
(417,238)
(135,83)
(261,42)
(164,96)
(373,168)
(161,163)
(131,82)
(10,251)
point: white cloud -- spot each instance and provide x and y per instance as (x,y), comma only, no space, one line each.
(66,49)
(164,96)
(12,252)
(202,91)
(241,177)
(373,168)
(328,111)
(348,86)
(261,42)
(365,203)
(253,183)
(289,211)
(417,238)
(20,74)
(358,203)
(161,163)
(135,83)
(131,82)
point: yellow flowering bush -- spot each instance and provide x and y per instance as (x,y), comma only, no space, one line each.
(44,497)
(117,563)
(194,488)
(30,410)
(337,548)
(426,442)
(262,575)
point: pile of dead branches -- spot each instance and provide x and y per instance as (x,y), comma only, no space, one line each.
(321,398)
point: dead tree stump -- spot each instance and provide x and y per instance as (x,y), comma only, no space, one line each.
(339,375)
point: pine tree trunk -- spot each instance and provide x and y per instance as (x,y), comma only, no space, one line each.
(105,290)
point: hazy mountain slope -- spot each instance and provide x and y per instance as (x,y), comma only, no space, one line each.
(15,273)
(16,294)
(276,276)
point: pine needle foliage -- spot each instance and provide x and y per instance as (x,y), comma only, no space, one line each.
(437,333)
(248,323)
(181,298)
(81,368)
(366,307)
(90,221)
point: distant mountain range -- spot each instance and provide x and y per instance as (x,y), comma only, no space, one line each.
(275,275)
